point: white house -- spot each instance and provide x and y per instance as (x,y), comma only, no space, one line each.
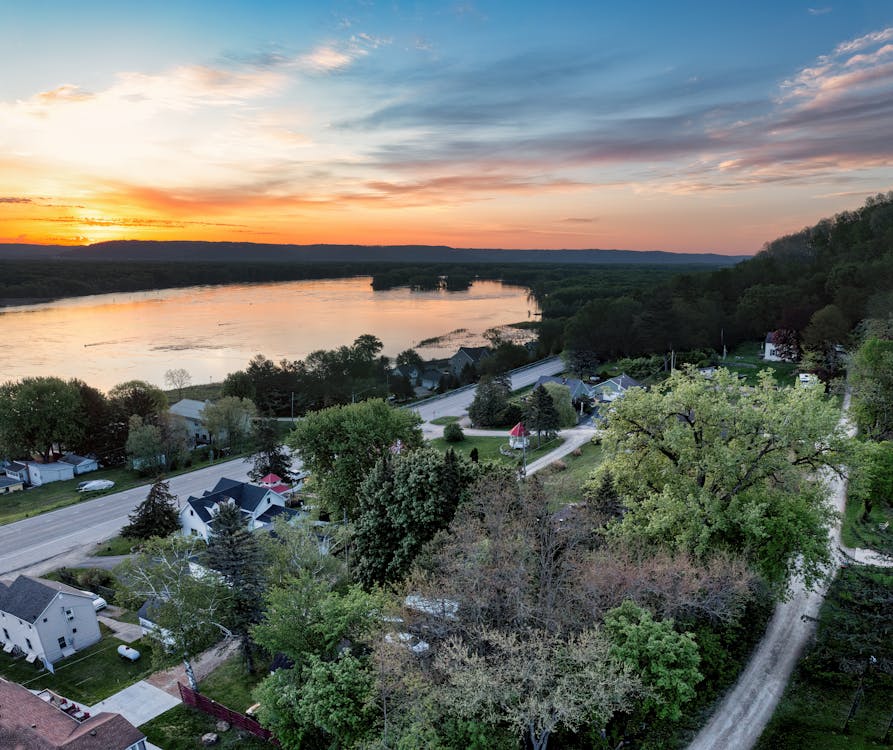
(46,620)
(613,388)
(770,350)
(189,411)
(259,506)
(48,721)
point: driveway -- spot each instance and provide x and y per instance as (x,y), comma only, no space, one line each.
(138,703)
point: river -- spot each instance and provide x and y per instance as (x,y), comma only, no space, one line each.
(213,330)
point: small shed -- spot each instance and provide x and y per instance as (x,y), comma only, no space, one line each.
(519,437)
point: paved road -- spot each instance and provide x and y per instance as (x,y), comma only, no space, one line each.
(33,541)
(27,543)
(457,403)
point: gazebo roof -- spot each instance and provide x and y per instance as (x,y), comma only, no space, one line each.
(271,479)
(519,430)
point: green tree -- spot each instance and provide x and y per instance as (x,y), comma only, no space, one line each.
(145,447)
(410,358)
(705,465)
(561,397)
(404,502)
(157,515)
(270,456)
(666,661)
(186,607)
(235,553)
(491,398)
(137,397)
(453,433)
(826,328)
(38,413)
(229,420)
(871,378)
(541,415)
(340,445)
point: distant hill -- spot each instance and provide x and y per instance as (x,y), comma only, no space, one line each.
(235,252)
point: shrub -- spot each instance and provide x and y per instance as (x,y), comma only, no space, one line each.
(452,433)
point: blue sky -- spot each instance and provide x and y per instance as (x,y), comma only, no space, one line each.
(688,126)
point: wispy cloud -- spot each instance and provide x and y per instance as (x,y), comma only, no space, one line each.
(819,11)
(13,199)
(336,56)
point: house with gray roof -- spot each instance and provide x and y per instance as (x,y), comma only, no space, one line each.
(47,721)
(45,620)
(614,388)
(189,411)
(579,390)
(8,484)
(259,505)
(81,464)
(467,356)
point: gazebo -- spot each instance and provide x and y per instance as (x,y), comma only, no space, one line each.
(519,437)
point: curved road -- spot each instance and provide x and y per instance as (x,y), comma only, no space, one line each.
(35,541)
(743,714)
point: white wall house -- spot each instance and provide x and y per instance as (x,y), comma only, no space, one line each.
(614,388)
(259,506)
(189,411)
(81,464)
(45,619)
(56,471)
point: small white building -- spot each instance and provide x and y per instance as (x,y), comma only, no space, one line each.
(57,471)
(46,620)
(259,506)
(81,464)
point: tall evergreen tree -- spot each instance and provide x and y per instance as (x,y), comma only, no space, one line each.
(157,515)
(490,401)
(270,456)
(542,416)
(235,553)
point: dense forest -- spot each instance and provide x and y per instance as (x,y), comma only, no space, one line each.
(818,283)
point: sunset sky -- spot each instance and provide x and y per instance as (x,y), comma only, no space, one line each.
(685,126)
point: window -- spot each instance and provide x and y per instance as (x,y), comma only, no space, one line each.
(6,635)
(61,641)
(69,614)
(74,630)
(44,619)
(28,644)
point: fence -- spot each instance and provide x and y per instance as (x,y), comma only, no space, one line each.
(218,711)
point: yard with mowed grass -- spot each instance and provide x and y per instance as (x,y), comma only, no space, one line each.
(747,362)
(836,678)
(87,676)
(874,533)
(181,728)
(565,486)
(36,500)
(488,448)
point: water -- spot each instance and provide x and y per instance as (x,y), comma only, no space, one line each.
(212,331)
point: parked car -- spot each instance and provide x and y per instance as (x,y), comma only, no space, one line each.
(93,485)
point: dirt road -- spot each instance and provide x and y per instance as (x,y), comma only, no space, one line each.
(741,717)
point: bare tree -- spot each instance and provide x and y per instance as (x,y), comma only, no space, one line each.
(178,378)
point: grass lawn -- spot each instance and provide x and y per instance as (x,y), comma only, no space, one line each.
(181,727)
(858,533)
(36,500)
(87,676)
(117,545)
(563,487)
(488,448)
(746,361)
(853,622)
(200,392)
(445,420)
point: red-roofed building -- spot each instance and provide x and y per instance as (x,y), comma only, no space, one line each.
(519,437)
(271,480)
(47,721)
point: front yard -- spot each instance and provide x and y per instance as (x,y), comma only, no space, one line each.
(488,448)
(86,677)
(181,727)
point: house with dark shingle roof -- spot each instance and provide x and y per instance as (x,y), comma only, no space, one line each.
(81,464)
(578,389)
(467,356)
(614,388)
(46,721)
(259,506)
(45,620)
